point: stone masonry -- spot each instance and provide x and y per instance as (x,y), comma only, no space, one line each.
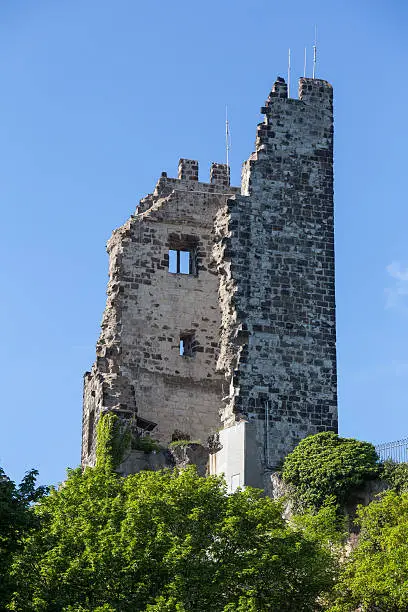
(275,256)
(254,312)
(139,369)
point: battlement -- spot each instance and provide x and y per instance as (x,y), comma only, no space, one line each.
(293,126)
(219,173)
(187,180)
(310,91)
(188,170)
(279,89)
(315,91)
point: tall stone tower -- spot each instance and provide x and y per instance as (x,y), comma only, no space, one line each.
(275,257)
(220,318)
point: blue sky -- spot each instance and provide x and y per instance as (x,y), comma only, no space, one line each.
(98,97)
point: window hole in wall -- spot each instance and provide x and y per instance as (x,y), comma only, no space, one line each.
(183,254)
(181,262)
(187,345)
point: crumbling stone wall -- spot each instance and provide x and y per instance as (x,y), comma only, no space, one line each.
(138,368)
(275,257)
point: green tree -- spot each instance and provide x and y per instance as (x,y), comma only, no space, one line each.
(166,542)
(396,475)
(376,574)
(16,520)
(324,465)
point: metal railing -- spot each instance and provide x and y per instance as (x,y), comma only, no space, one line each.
(397,450)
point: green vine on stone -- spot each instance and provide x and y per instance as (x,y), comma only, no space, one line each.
(113,439)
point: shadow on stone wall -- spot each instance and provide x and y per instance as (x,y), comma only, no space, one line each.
(180,456)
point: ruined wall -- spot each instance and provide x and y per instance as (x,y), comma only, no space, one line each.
(275,257)
(256,312)
(139,369)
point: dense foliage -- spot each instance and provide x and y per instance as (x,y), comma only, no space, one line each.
(167,540)
(325,465)
(16,520)
(396,475)
(376,574)
(172,541)
(146,444)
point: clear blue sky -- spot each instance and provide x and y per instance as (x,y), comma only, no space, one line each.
(98,97)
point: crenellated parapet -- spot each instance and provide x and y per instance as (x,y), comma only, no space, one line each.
(187,180)
(220,175)
(188,170)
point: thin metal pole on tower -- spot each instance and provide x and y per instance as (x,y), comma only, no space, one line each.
(315,53)
(289,73)
(304,65)
(227,136)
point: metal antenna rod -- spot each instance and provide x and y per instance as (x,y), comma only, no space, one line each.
(315,53)
(227,136)
(289,73)
(304,65)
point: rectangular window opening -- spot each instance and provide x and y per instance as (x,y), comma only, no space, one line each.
(185,257)
(187,345)
(182,261)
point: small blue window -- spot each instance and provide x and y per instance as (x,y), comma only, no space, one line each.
(173,261)
(180,262)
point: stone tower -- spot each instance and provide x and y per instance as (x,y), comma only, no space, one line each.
(275,256)
(220,316)
(162,301)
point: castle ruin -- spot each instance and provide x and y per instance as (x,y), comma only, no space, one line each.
(220,314)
